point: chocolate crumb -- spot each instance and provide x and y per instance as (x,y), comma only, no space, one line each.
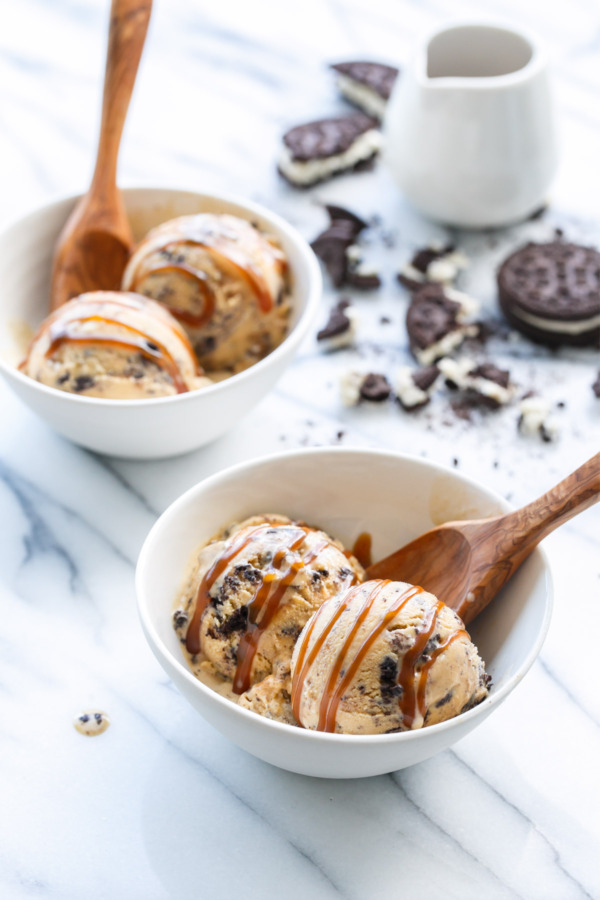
(596,386)
(83,382)
(62,378)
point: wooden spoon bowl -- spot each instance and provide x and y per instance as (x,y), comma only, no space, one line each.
(466,563)
(95,244)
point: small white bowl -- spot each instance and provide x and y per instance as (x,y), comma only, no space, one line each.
(345,492)
(165,426)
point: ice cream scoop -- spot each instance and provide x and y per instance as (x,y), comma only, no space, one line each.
(384,656)
(113,345)
(222,279)
(247,597)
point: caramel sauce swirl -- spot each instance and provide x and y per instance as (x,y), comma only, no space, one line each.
(267,599)
(63,332)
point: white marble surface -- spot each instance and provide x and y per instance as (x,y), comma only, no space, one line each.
(161,805)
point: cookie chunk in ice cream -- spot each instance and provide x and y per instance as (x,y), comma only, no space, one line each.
(113,345)
(248,595)
(223,280)
(381,657)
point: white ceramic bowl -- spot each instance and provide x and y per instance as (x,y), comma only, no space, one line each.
(164,426)
(344,491)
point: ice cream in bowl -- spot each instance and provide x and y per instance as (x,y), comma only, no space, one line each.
(216,298)
(253,601)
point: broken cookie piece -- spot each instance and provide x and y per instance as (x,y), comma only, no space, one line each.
(535,418)
(414,387)
(367,85)
(437,322)
(336,247)
(484,382)
(357,386)
(340,329)
(319,150)
(436,262)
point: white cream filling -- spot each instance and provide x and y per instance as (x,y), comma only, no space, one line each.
(362,96)
(553,325)
(428,355)
(535,417)
(312,170)
(350,384)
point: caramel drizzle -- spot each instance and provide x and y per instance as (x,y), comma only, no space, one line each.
(265,604)
(409,699)
(333,692)
(248,273)
(412,682)
(61,333)
(266,601)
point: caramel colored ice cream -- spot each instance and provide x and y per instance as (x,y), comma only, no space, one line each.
(119,346)
(247,597)
(223,280)
(382,657)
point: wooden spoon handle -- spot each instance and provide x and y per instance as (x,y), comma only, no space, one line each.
(127,33)
(571,496)
(501,544)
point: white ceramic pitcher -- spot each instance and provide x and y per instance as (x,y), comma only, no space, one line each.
(469,127)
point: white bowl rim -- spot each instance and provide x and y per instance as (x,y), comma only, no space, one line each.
(294,337)
(303,733)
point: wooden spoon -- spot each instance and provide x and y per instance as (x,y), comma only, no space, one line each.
(466,563)
(96,241)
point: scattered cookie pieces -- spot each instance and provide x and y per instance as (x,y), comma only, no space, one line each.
(596,386)
(367,85)
(436,262)
(336,247)
(535,418)
(551,293)
(316,151)
(485,383)
(437,322)
(340,329)
(357,386)
(414,387)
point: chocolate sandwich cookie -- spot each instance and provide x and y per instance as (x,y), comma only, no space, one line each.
(437,262)
(551,293)
(484,384)
(436,322)
(319,150)
(367,85)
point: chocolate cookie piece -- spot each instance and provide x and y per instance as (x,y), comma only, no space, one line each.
(331,245)
(375,387)
(357,386)
(596,386)
(318,150)
(367,85)
(551,293)
(437,262)
(340,254)
(414,387)
(484,384)
(340,329)
(336,213)
(435,322)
